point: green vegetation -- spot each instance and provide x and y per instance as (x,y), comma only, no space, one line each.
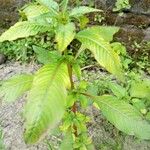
(122,4)
(54,98)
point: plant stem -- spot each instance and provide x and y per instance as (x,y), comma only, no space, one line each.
(74,107)
(70,76)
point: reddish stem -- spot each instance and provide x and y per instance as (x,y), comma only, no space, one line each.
(74,107)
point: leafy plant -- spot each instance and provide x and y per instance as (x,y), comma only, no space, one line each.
(122,4)
(22,50)
(53,95)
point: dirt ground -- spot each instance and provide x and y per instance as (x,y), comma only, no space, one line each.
(105,136)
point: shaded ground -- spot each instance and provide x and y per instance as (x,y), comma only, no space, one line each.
(104,135)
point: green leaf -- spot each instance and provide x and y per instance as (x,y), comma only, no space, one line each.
(46,101)
(77,70)
(46,57)
(140,89)
(83,20)
(139,104)
(148,116)
(119,48)
(102,51)
(63,5)
(31,11)
(71,98)
(16,86)
(117,90)
(122,4)
(67,143)
(23,29)
(79,11)
(64,35)
(106,32)
(90,147)
(124,116)
(52,5)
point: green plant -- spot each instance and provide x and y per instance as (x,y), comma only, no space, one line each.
(22,50)
(53,96)
(122,4)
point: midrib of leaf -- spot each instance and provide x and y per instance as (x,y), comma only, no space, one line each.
(96,43)
(45,95)
(18,82)
(118,110)
(52,79)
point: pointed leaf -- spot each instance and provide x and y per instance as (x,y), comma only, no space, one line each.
(64,5)
(46,101)
(16,86)
(102,51)
(31,11)
(124,116)
(106,32)
(23,29)
(46,57)
(64,35)
(79,11)
(52,5)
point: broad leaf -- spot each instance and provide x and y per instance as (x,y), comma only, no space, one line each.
(140,89)
(106,32)
(23,29)
(47,18)
(64,5)
(46,57)
(124,116)
(46,101)
(64,35)
(102,51)
(51,5)
(32,11)
(16,86)
(79,11)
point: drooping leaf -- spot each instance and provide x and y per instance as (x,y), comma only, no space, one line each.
(79,11)
(46,57)
(124,116)
(67,143)
(16,86)
(106,32)
(63,5)
(140,89)
(52,5)
(64,35)
(31,11)
(24,29)
(46,101)
(102,51)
